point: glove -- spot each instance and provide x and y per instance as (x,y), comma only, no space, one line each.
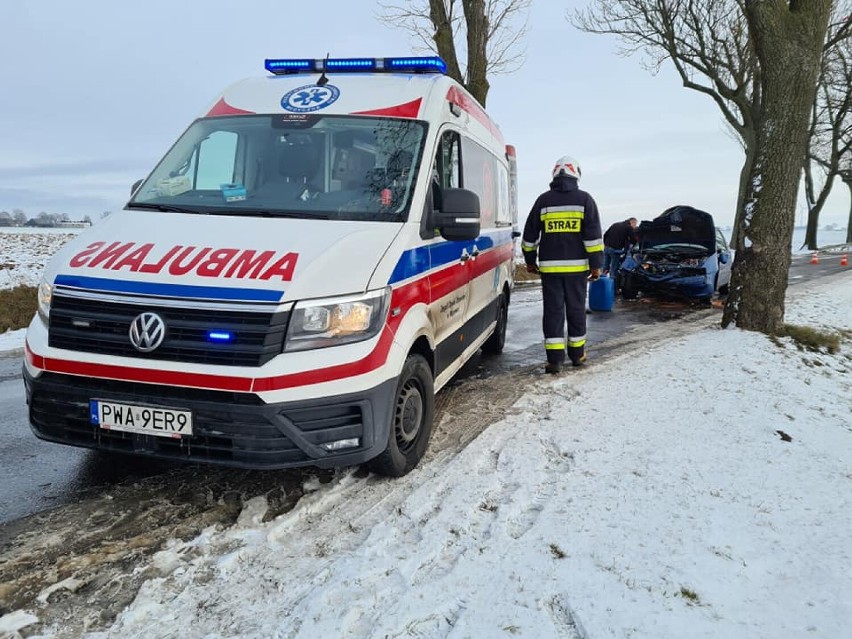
(595,274)
(532,268)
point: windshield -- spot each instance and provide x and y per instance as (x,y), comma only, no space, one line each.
(337,167)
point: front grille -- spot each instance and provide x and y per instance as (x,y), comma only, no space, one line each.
(102,326)
(229,430)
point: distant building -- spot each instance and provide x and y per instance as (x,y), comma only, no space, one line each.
(74,224)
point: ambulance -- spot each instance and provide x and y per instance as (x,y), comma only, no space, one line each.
(316,256)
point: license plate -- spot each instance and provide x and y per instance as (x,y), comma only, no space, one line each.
(146,420)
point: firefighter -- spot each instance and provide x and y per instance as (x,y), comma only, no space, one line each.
(617,241)
(562,241)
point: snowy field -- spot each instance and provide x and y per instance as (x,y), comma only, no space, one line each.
(698,487)
(24,252)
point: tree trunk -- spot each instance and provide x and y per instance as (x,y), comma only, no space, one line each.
(477,54)
(788,40)
(738,234)
(815,207)
(443,38)
(848,181)
(811,231)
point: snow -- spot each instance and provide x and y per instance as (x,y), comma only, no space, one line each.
(651,496)
(25,251)
(12,341)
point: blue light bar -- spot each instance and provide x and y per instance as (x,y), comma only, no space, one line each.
(220,336)
(430,64)
(410,64)
(279,67)
(350,64)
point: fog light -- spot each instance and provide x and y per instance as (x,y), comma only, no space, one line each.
(340,444)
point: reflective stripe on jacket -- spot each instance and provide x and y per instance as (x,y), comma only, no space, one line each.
(563,230)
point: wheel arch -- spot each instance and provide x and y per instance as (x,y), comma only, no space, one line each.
(423,347)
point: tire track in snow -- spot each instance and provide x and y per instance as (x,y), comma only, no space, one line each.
(103,565)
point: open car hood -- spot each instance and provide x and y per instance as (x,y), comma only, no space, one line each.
(679,226)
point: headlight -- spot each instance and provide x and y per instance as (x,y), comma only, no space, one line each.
(336,321)
(45,293)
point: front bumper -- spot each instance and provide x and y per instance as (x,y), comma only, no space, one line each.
(690,286)
(230,429)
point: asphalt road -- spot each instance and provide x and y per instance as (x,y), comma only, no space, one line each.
(37,476)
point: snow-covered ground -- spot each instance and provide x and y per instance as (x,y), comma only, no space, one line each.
(25,251)
(698,487)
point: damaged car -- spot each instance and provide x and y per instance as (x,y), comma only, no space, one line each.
(680,254)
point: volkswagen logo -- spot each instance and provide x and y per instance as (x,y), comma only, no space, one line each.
(147,332)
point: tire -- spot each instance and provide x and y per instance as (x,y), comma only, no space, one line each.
(497,340)
(411,421)
(628,291)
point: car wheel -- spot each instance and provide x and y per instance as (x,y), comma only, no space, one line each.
(411,423)
(497,340)
(628,291)
(724,289)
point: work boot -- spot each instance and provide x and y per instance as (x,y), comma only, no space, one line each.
(579,362)
(553,369)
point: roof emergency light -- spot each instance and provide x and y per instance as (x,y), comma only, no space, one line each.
(409,64)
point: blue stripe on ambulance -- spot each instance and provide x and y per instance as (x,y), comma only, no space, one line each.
(169,290)
(418,260)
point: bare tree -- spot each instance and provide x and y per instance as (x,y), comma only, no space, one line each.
(788,39)
(831,125)
(485,33)
(707,43)
(725,49)
(846,176)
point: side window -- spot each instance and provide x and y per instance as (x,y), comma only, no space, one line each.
(504,195)
(487,177)
(214,160)
(448,161)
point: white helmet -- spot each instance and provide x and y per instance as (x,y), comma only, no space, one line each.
(566,165)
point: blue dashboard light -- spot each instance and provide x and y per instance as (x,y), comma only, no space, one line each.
(220,336)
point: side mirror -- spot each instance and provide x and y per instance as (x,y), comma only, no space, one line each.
(135,186)
(460,216)
(724,257)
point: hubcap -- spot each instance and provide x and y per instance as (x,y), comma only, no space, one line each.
(409,415)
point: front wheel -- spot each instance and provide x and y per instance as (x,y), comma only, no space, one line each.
(411,425)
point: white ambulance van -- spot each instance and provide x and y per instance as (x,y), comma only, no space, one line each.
(314,258)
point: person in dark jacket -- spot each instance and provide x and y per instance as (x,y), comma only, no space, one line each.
(562,241)
(617,240)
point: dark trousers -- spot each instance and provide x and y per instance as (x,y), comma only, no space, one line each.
(564,297)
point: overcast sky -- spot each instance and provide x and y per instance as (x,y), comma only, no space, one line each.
(96,91)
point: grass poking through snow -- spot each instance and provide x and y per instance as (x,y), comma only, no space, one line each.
(17,306)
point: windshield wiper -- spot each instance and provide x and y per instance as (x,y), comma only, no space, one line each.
(166,208)
(271,213)
(226,211)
